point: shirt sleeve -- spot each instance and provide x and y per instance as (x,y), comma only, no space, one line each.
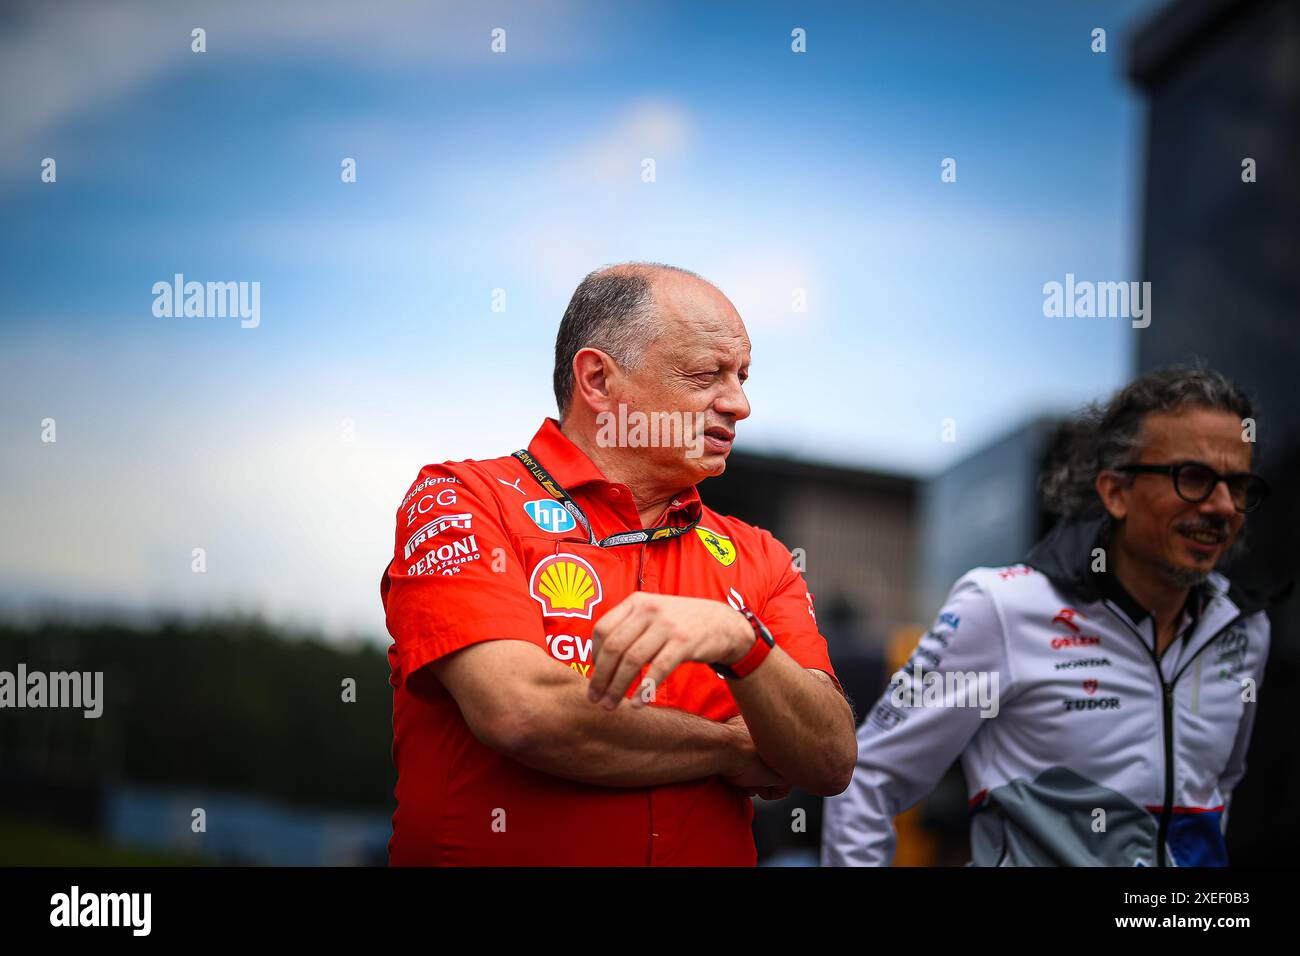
(788,612)
(906,744)
(455,578)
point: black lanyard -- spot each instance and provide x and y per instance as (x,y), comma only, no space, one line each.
(556,491)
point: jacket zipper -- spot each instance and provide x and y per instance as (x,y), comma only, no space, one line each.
(1162,834)
(1167,710)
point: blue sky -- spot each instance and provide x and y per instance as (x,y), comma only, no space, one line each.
(519,171)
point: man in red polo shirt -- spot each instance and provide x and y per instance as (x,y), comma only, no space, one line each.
(590,666)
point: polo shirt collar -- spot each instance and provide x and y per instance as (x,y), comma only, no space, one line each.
(567,463)
(571,467)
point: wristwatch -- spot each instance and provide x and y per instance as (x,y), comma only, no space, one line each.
(763,644)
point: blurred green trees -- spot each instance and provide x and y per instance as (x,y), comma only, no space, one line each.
(229,703)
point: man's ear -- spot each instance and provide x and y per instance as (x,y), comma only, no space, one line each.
(592,370)
(1112,489)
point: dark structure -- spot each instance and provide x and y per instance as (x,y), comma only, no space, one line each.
(854,534)
(1222,79)
(854,531)
(983,511)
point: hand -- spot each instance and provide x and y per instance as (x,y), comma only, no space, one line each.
(753,776)
(662,630)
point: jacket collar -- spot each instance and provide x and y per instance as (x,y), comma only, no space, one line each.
(1064,556)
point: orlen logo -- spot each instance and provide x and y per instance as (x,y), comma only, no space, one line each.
(1066,617)
(1083,640)
(566,586)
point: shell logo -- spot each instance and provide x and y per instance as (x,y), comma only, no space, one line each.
(566,586)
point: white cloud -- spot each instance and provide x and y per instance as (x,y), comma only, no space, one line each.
(657,129)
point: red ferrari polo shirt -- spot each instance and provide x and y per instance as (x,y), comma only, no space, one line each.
(482,553)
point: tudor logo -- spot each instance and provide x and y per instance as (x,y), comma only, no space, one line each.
(719,546)
(1090,686)
(1091,703)
(565,586)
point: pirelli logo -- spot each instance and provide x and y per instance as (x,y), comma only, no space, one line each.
(434,527)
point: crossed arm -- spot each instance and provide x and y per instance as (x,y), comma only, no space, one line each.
(800,723)
(797,729)
(519,702)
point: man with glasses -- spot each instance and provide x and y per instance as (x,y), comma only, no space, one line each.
(1125,666)
(590,666)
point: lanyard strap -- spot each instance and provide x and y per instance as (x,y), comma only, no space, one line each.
(556,491)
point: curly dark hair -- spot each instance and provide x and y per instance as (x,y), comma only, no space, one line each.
(1105,436)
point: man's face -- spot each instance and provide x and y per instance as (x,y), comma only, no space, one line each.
(695,371)
(1181,540)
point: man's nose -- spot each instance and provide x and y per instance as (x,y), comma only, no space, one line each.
(732,401)
(1219,503)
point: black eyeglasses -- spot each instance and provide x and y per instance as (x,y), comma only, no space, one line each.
(1194,482)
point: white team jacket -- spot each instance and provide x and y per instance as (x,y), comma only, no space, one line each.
(1099,752)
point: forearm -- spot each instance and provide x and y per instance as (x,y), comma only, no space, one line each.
(858,824)
(801,725)
(572,738)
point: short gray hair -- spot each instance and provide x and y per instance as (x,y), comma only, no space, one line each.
(1105,436)
(613,310)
